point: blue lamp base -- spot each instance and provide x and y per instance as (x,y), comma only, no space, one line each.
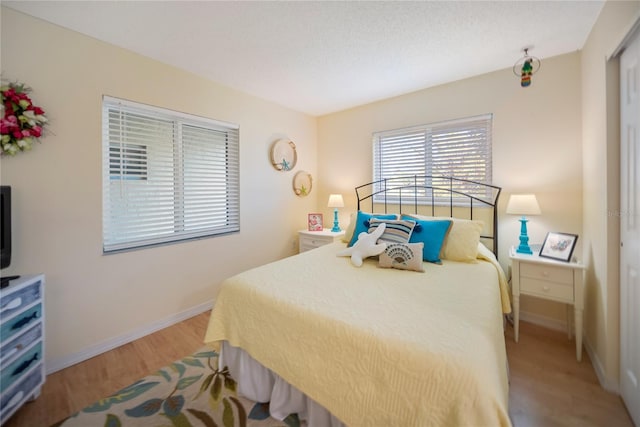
(336,225)
(524,248)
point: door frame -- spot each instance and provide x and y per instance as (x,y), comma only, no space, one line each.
(632,36)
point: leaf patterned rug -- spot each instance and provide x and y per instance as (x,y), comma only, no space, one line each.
(188,392)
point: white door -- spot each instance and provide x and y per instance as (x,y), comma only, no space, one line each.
(630,228)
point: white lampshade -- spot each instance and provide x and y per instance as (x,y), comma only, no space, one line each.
(335,201)
(523,204)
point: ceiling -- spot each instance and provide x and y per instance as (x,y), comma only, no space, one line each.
(319,57)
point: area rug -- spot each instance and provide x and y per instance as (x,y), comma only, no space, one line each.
(188,393)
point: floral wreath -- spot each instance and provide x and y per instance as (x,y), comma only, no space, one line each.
(21,122)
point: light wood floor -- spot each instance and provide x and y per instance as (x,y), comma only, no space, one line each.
(548,386)
(69,390)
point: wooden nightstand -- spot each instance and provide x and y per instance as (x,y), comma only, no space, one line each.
(314,239)
(552,280)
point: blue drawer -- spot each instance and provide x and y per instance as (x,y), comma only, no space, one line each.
(13,302)
(18,368)
(22,391)
(12,349)
(20,323)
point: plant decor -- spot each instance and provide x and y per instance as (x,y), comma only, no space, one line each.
(22,122)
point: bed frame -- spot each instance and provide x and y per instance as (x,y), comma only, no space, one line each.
(427,194)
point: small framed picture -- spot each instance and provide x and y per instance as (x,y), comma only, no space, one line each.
(558,246)
(315,222)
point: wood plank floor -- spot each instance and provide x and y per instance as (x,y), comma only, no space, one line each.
(548,386)
(69,390)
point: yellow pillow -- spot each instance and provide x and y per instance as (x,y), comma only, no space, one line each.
(461,243)
(348,234)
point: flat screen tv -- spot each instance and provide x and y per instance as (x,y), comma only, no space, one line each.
(5,226)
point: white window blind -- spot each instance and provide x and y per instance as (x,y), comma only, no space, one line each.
(167,176)
(128,161)
(457,148)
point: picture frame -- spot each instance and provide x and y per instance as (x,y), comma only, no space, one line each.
(315,222)
(558,246)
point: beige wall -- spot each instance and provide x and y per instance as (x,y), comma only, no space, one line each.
(600,127)
(92,298)
(556,138)
(536,147)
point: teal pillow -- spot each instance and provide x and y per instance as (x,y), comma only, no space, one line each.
(362,224)
(432,234)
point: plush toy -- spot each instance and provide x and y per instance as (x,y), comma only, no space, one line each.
(365,246)
(527,70)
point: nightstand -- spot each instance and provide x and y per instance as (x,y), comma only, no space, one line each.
(552,280)
(314,239)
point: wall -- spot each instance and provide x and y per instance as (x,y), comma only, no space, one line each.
(93,300)
(536,148)
(600,128)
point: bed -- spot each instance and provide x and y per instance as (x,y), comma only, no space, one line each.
(368,346)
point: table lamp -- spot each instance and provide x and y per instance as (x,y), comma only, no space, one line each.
(523,204)
(335,201)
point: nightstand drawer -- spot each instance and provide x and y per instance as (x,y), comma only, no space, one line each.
(20,366)
(547,273)
(542,288)
(314,242)
(20,322)
(17,301)
(25,389)
(11,350)
(314,239)
(304,248)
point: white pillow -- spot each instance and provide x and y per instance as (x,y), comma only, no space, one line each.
(403,256)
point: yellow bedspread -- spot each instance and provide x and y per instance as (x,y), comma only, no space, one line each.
(376,347)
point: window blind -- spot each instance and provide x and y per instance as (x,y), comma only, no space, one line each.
(167,176)
(460,148)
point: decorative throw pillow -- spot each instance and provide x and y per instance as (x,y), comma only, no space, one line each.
(461,243)
(348,234)
(432,234)
(403,256)
(362,224)
(396,231)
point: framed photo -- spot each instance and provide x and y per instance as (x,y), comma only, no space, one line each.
(558,246)
(315,222)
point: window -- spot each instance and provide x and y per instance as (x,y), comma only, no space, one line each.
(459,148)
(167,176)
(127,161)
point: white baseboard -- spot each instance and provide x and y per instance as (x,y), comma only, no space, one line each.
(544,321)
(56,364)
(605,383)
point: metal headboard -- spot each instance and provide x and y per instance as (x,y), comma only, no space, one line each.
(416,193)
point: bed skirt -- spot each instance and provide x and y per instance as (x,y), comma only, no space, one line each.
(260,384)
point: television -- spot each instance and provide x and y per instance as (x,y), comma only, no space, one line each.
(5,226)
(5,233)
